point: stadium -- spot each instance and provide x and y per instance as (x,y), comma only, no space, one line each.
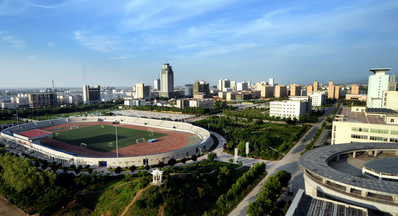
(359,174)
(107,140)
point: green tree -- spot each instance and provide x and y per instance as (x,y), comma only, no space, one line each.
(283,177)
(211,157)
(221,202)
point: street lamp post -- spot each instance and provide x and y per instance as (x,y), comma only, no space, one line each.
(117,147)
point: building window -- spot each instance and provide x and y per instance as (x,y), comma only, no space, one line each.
(355,136)
(379,131)
(334,128)
(359,129)
(394,132)
(385,139)
(391,120)
(394,140)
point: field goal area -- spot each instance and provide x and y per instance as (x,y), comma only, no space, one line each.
(139,140)
(150,131)
(73,127)
(83,145)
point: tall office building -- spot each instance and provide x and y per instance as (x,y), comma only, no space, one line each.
(271,81)
(354,89)
(40,100)
(392,84)
(143,91)
(91,95)
(156,84)
(316,86)
(223,84)
(200,90)
(280,91)
(295,90)
(309,89)
(166,81)
(267,91)
(331,90)
(232,85)
(378,82)
(188,90)
(242,86)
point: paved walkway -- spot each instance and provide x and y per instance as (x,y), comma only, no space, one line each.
(289,163)
(7,209)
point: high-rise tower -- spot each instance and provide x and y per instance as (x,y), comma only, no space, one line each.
(378,82)
(316,86)
(156,84)
(167,81)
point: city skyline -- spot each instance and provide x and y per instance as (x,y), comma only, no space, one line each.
(99,43)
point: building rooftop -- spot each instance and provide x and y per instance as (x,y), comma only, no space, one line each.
(34,133)
(374,70)
(384,165)
(316,161)
(359,117)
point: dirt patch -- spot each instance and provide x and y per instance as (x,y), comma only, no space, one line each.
(7,209)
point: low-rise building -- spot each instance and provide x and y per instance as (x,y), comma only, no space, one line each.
(390,100)
(267,91)
(360,97)
(361,124)
(39,100)
(289,108)
(204,103)
(318,98)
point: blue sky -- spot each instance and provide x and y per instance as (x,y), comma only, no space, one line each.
(120,43)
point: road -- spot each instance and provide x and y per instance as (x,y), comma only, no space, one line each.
(288,163)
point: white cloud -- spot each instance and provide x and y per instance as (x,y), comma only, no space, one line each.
(163,14)
(100,43)
(51,44)
(15,43)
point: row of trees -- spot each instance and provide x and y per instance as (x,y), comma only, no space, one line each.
(32,190)
(30,113)
(261,114)
(318,133)
(260,135)
(190,110)
(265,202)
(241,184)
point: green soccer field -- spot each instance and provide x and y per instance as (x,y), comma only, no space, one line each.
(99,137)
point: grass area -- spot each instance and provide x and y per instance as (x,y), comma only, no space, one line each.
(9,121)
(200,190)
(146,204)
(99,137)
(116,198)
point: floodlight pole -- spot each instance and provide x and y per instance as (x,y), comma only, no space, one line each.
(117,147)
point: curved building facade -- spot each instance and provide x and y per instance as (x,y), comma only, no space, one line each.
(372,192)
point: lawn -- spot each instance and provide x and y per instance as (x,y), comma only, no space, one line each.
(102,138)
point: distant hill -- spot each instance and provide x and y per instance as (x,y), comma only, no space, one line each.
(358,82)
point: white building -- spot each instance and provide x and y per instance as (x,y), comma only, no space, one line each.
(390,100)
(288,108)
(318,98)
(378,82)
(361,124)
(143,91)
(156,84)
(242,86)
(233,85)
(131,102)
(223,83)
(205,103)
(271,81)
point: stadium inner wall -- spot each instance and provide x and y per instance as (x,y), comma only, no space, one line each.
(67,158)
